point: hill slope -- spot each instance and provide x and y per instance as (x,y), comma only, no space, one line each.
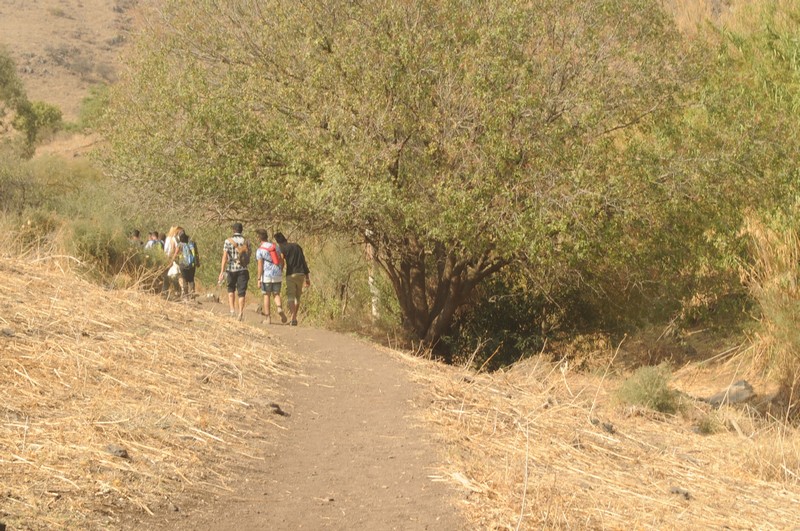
(63,47)
(114,402)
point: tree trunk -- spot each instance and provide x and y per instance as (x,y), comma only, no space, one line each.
(432,286)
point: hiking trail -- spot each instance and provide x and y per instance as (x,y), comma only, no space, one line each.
(351,455)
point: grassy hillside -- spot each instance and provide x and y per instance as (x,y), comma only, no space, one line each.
(115,402)
(540,446)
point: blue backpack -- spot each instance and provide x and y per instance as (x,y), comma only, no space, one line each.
(188,256)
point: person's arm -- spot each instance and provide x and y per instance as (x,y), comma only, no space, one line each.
(260,254)
(224,263)
(177,249)
(304,265)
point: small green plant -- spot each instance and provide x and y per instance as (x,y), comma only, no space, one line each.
(648,387)
(58,12)
(710,424)
(92,107)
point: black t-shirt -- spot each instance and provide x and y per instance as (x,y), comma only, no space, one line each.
(295,259)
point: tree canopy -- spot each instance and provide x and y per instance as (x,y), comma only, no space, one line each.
(458,137)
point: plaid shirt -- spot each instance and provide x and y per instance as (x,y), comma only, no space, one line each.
(233,264)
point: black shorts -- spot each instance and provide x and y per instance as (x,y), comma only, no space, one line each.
(237,281)
(187,273)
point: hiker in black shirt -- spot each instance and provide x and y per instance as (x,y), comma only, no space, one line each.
(297,274)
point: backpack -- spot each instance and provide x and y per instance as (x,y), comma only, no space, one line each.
(188,257)
(274,256)
(243,251)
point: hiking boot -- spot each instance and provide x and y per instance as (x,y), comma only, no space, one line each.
(283,315)
(294,322)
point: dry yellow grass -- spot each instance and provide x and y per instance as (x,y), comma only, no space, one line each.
(85,370)
(538,447)
(691,15)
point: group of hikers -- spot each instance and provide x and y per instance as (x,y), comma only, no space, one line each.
(274,259)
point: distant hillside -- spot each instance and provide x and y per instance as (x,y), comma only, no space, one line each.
(63,47)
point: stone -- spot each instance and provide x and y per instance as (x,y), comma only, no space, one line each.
(739,392)
(278,411)
(117,451)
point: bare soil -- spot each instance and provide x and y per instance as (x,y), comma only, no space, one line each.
(351,454)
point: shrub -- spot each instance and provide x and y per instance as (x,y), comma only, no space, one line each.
(38,120)
(773,282)
(648,387)
(710,424)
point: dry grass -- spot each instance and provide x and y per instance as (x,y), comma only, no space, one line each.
(538,447)
(772,281)
(691,15)
(83,368)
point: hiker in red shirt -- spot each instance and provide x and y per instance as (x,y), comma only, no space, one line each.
(270,274)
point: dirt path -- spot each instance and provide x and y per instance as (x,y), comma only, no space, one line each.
(351,457)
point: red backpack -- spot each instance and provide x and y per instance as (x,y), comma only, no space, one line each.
(274,255)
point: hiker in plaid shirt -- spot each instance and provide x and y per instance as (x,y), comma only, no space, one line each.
(235,259)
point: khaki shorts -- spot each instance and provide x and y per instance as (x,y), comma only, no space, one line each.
(294,286)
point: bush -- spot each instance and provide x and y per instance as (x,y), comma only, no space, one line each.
(502,325)
(52,204)
(710,424)
(648,387)
(38,120)
(773,282)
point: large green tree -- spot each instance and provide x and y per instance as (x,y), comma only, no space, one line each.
(458,137)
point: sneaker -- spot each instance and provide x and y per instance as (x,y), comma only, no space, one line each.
(294,322)
(267,320)
(283,315)
(241,317)
(232,313)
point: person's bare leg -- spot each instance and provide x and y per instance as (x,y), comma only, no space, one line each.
(280,308)
(265,309)
(241,308)
(232,302)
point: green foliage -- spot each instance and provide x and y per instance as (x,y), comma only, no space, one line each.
(32,119)
(340,295)
(582,147)
(730,149)
(455,137)
(648,387)
(93,108)
(11,90)
(503,324)
(40,118)
(71,207)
